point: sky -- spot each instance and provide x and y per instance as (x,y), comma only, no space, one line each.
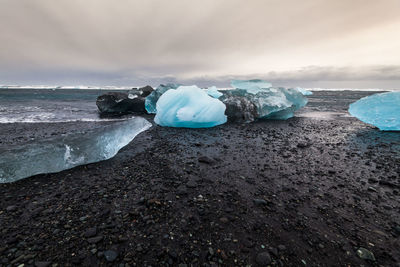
(309,43)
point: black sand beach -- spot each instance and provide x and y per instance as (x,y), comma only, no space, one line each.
(309,191)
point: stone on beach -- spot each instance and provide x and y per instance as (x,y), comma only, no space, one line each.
(122,102)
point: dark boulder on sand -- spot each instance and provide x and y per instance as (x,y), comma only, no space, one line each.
(145,91)
(240,109)
(123,103)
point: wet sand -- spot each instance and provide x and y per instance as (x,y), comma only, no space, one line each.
(310,190)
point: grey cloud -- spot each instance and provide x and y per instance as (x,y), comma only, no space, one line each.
(129,41)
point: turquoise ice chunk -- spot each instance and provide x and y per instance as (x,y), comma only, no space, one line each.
(381,110)
(189,107)
(270,103)
(304,91)
(212,91)
(251,86)
(151,99)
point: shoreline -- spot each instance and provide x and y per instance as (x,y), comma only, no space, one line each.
(311,190)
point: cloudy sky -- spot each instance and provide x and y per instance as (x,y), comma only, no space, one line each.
(317,43)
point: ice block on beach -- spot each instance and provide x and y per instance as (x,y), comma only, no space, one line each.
(304,91)
(251,86)
(65,152)
(212,91)
(381,110)
(190,107)
(151,100)
(264,102)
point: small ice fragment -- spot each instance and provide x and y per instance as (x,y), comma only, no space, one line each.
(189,107)
(251,86)
(304,91)
(212,91)
(132,96)
(381,110)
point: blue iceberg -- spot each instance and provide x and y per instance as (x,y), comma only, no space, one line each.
(189,107)
(381,110)
(151,100)
(263,102)
(304,91)
(65,152)
(212,91)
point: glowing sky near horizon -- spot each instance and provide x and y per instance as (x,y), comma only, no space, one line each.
(122,42)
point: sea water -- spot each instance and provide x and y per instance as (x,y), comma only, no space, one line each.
(32,105)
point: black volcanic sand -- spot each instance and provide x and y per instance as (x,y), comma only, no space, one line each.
(306,191)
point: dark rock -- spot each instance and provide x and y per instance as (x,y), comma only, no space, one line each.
(263,259)
(240,109)
(191,184)
(396,230)
(94,240)
(42,263)
(281,248)
(120,103)
(91,232)
(110,255)
(11,208)
(365,254)
(303,144)
(260,202)
(146,90)
(205,159)
(224,220)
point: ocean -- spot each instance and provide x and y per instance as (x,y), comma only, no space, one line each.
(55,105)
(49,105)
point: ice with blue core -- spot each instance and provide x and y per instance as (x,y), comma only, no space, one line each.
(212,91)
(304,91)
(381,110)
(270,102)
(151,100)
(189,107)
(65,152)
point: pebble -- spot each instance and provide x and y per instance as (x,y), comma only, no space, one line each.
(191,184)
(205,159)
(260,202)
(281,248)
(91,232)
(95,240)
(11,208)
(224,220)
(365,254)
(263,259)
(110,255)
(42,263)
